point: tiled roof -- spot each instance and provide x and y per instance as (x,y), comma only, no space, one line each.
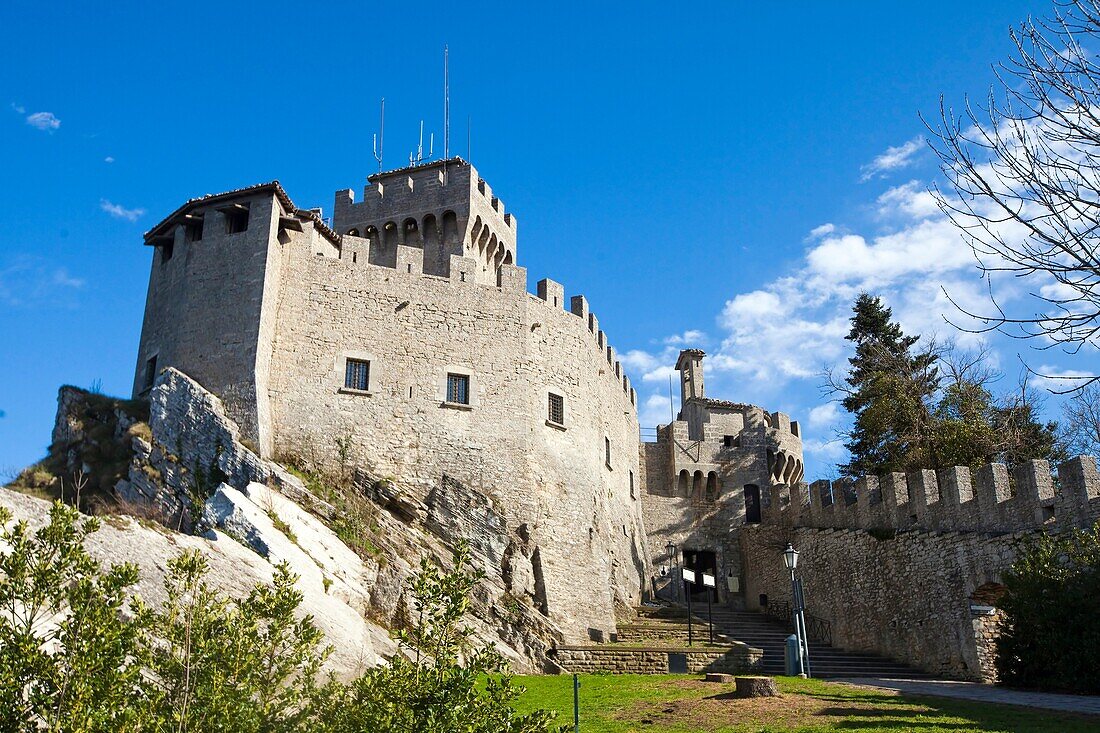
(453,160)
(273,186)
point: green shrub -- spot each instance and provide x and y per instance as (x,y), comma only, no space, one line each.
(1050,637)
(72,660)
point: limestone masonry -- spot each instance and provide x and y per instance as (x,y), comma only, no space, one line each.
(401,340)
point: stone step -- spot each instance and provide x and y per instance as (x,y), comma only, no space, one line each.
(770,635)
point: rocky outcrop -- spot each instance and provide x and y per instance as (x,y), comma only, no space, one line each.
(234,569)
(191,472)
(195,447)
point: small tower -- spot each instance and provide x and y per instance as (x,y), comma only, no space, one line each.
(690,366)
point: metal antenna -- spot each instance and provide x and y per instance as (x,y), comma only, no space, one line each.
(671,410)
(446,102)
(380,137)
(420,147)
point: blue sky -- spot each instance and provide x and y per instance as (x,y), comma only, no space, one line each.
(722,175)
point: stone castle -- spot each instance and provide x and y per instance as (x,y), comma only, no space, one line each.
(404,335)
(400,338)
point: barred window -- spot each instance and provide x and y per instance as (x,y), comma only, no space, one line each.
(458,389)
(557,409)
(357,375)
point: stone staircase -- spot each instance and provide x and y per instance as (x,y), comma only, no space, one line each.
(757,630)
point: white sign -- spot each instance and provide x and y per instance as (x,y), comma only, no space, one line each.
(708,580)
(689,575)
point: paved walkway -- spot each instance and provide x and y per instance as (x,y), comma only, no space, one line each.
(1085,704)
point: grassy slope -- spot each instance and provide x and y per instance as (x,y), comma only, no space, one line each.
(683,703)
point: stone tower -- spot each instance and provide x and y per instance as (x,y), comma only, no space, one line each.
(708,474)
(443,208)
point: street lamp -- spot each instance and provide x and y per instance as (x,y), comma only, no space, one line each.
(790,558)
(798,607)
(672,581)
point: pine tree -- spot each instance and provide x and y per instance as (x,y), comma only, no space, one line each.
(889,388)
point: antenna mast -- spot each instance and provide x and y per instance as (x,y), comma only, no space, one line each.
(446,103)
(380,137)
(419,157)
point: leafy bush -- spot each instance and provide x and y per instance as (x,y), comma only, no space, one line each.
(1050,637)
(79,653)
(446,684)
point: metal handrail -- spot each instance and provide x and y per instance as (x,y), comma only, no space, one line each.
(819,630)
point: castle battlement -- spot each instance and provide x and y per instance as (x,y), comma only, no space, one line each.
(992,499)
(510,279)
(443,208)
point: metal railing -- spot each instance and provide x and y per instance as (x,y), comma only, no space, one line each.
(819,630)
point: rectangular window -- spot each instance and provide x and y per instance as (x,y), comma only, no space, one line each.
(150,372)
(236,219)
(357,375)
(458,389)
(557,409)
(607,451)
(193,229)
(732,441)
(166,251)
(632,494)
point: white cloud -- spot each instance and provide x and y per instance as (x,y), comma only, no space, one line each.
(655,410)
(777,338)
(911,198)
(32,282)
(894,158)
(825,450)
(19,109)
(109,159)
(43,121)
(120,212)
(691,338)
(823,415)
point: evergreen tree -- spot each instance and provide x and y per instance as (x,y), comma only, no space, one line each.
(889,389)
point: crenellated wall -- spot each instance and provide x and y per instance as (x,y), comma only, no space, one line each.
(991,499)
(910,565)
(909,595)
(443,209)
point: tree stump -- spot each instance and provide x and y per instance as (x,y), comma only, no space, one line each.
(756,687)
(718,677)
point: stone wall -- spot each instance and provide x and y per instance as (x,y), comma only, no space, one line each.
(619,659)
(953,498)
(550,483)
(203,309)
(905,595)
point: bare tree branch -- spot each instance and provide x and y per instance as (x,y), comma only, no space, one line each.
(1024,177)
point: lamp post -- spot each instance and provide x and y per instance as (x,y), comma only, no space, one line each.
(798,606)
(671,575)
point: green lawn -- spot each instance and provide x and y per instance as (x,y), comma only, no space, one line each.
(684,703)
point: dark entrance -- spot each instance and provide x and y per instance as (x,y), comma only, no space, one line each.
(752,504)
(701,561)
